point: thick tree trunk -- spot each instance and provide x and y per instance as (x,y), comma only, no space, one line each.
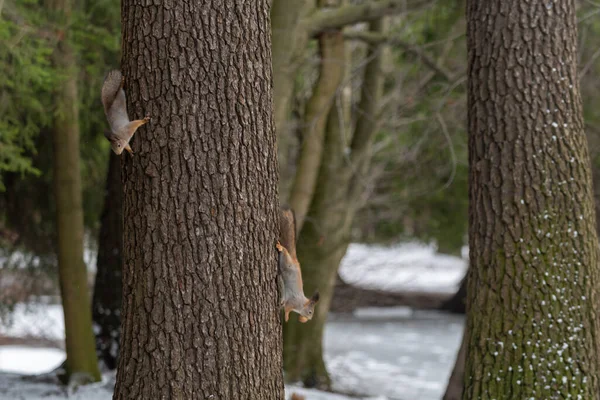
(106,303)
(82,363)
(325,235)
(200,302)
(532,291)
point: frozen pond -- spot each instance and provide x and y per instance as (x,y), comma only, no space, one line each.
(402,357)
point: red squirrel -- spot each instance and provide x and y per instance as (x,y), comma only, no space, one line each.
(115,107)
(293,298)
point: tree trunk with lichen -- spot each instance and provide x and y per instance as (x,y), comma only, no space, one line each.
(532,324)
(200,303)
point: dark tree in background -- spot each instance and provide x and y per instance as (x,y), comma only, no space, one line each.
(81,358)
(200,207)
(532,322)
(106,303)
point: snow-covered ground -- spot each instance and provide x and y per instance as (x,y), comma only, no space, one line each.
(37,320)
(394,354)
(407,267)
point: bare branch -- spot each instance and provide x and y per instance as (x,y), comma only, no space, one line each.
(351,14)
(376,39)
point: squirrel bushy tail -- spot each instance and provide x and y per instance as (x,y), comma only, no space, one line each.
(287,230)
(110,88)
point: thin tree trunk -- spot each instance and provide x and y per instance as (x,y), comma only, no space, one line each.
(200,301)
(106,303)
(532,290)
(82,363)
(331,72)
(454,390)
(457,304)
(325,236)
(289,41)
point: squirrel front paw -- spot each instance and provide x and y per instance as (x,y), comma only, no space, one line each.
(279,246)
(147,118)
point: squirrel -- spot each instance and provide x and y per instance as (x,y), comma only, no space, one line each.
(115,108)
(293,298)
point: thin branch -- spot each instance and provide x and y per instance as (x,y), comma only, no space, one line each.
(337,18)
(375,39)
(589,64)
(451,147)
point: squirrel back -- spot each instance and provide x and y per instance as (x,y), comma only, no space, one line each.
(113,100)
(287,230)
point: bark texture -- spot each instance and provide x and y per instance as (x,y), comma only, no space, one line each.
(325,236)
(200,302)
(106,303)
(81,363)
(532,292)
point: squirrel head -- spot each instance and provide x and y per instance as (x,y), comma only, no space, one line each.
(308,310)
(118,145)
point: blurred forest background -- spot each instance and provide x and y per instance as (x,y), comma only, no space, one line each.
(398,84)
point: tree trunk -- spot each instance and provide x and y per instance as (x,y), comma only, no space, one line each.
(106,303)
(457,304)
(331,72)
(325,236)
(200,302)
(533,245)
(81,363)
(289,41)
(454,390)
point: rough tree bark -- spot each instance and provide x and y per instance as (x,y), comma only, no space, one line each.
(200,303)
(532,322)
(106,303)
(82,363)
(325,235)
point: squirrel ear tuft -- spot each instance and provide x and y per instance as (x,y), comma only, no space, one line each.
(315,297)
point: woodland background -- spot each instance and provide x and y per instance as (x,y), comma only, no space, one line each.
(396,86)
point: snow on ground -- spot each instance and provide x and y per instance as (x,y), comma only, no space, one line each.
(407,267)
(35,320)
(29,360)
(401,358)
(391,353)
(15,387)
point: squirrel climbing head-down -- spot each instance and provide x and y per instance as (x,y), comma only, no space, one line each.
(293,298)
(115,107)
